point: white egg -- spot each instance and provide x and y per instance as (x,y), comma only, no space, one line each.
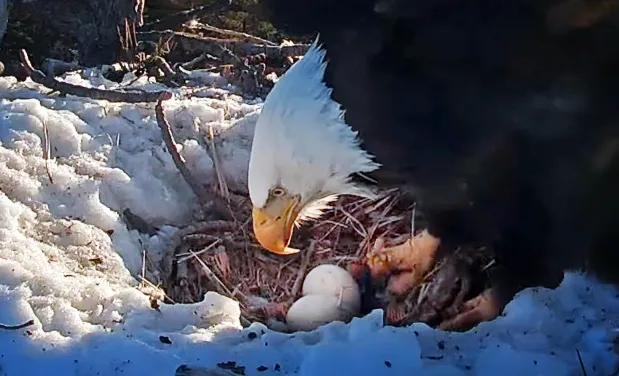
(312,311)
(331,280)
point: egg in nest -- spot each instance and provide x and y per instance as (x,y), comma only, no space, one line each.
(330,293)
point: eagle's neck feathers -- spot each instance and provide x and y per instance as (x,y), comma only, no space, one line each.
(302,143)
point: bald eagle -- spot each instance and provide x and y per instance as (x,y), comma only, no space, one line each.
(298,116)
(500,117)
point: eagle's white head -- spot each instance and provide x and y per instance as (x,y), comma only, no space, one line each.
(303,154)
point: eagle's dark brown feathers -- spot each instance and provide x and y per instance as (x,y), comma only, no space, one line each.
(502,116)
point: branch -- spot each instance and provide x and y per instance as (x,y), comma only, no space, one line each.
(39,77)
(47,150)
(166,133)
(200,192)
(237,34)
(307,258)
(212,151)
(192,43)
(196,61)
(170,76)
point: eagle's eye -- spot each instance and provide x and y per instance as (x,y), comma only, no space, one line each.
(278,192)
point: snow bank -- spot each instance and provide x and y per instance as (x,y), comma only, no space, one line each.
(69,261)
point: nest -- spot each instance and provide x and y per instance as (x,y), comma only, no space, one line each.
(224,256)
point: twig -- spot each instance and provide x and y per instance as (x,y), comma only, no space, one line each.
(302,269)
(237,34)
(204,226)
(223,186)
(197,60)
(355,224)
(189,255)
(143,271)
(221,287)
(166,133)
(47,150)
(17,327)
(191,43)
(170,74)
(134,96)
(155,287)
(582,364)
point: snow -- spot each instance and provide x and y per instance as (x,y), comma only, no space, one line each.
(69,262)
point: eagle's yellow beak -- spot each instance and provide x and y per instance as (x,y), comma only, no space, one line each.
(274,223)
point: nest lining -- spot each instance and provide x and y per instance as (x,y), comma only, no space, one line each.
(224,256)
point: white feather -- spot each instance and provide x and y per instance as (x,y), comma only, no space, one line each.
(302,143)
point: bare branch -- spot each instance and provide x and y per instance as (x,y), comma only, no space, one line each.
(203,194)
(134,96)
(192,43)
(236,34)
(166,133)
(307,258)
(47,150)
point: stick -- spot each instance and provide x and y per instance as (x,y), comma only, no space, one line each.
(17,327)
(582,364)
(47,150)
(198,190)
(237,34)
(192,43)
(221,287)
(198,60)
(169,74)
(135,96)
(189,255)
(166,133)
(302,269)
(223,186)
(143,271)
